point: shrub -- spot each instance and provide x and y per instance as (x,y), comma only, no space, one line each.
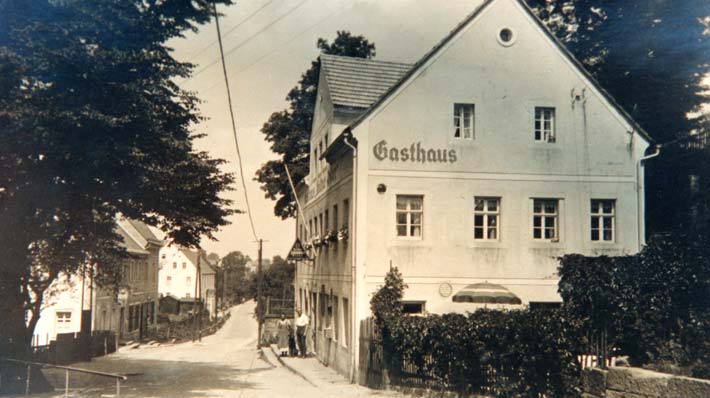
(524,353)
(655,305)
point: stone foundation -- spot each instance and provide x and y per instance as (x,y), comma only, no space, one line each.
(622,382)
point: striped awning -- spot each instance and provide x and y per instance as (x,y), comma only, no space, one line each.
(486,293)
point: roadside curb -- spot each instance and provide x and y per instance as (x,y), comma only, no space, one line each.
(273,353)
(268,356)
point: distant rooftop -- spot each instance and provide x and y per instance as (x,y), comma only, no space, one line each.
(359,82)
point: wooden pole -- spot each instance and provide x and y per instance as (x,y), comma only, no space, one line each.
(66,383)
(194,303)
(259,304)
(27,382)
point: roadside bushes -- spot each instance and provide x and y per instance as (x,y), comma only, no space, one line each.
(521,353)
(654,306)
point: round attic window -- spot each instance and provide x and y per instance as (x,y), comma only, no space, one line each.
(506,37)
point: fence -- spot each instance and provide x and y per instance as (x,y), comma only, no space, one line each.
(74,347)
(28,374)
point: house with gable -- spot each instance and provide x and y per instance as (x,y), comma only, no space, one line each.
(75,303)
(132,311)
(187,276)
(482,163)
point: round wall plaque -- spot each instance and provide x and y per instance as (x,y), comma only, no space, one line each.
(445,289)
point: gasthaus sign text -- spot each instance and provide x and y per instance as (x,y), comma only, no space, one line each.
(413,153)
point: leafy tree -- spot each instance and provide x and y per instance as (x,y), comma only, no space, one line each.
(237,276)
(277,280)
(289,130)
(91,125)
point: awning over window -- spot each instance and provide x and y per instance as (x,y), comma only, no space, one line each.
(486,293)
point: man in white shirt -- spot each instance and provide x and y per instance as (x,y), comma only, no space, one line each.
(302,322)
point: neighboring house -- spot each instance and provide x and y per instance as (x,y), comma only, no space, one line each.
(132,311)
(179,277)
(485,161)
(128,312)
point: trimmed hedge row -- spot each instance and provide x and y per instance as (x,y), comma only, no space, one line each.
(653,306)
(522,353)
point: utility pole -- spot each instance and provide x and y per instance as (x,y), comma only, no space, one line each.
(225,274)
(259,299)
(195,311)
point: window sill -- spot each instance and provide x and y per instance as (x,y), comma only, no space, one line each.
(486,244)
(404,242)
(547,244)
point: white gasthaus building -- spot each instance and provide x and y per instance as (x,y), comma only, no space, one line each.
(486,160)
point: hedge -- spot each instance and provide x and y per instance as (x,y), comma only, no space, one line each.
(653,306)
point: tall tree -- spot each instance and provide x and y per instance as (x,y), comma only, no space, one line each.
(289,130)
(237,275)
(92,125)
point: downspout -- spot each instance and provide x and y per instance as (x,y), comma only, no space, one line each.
(641,198)
(353,267)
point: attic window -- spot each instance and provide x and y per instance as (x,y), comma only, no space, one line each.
(506,37)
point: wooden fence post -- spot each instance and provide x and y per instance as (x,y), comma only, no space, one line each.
(27,381)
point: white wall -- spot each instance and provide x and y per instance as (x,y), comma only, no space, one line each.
(594,156)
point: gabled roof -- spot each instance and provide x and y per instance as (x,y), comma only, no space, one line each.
(137,236)
(359,82)
(145,232)
(192,255)
(460,27)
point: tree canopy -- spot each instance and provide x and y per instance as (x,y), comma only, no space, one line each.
(289,130)
(91,126)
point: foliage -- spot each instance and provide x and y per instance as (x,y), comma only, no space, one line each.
(656,304)
(237,276)
(524,353)
(386,303)
(91,125)
(277,280)
(289,130)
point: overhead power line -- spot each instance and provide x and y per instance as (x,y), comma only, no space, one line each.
(245,41)
(232,29)
(282,45)
(234,125)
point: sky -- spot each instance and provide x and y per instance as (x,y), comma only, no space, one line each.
(268,45)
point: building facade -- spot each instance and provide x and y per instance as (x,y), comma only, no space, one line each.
(132,311)
(128,312)
(179,276)
(485,161)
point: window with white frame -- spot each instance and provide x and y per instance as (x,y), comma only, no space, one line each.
(463,121)
(486,218)
(410,213)
(545,124)
(63,320)
(168,280)
(602,220)
(546,219)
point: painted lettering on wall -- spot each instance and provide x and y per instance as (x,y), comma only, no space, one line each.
(413,153)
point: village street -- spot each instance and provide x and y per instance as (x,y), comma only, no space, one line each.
(226,364)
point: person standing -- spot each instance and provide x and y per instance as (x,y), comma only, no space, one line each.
(302,322)
(284,330)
